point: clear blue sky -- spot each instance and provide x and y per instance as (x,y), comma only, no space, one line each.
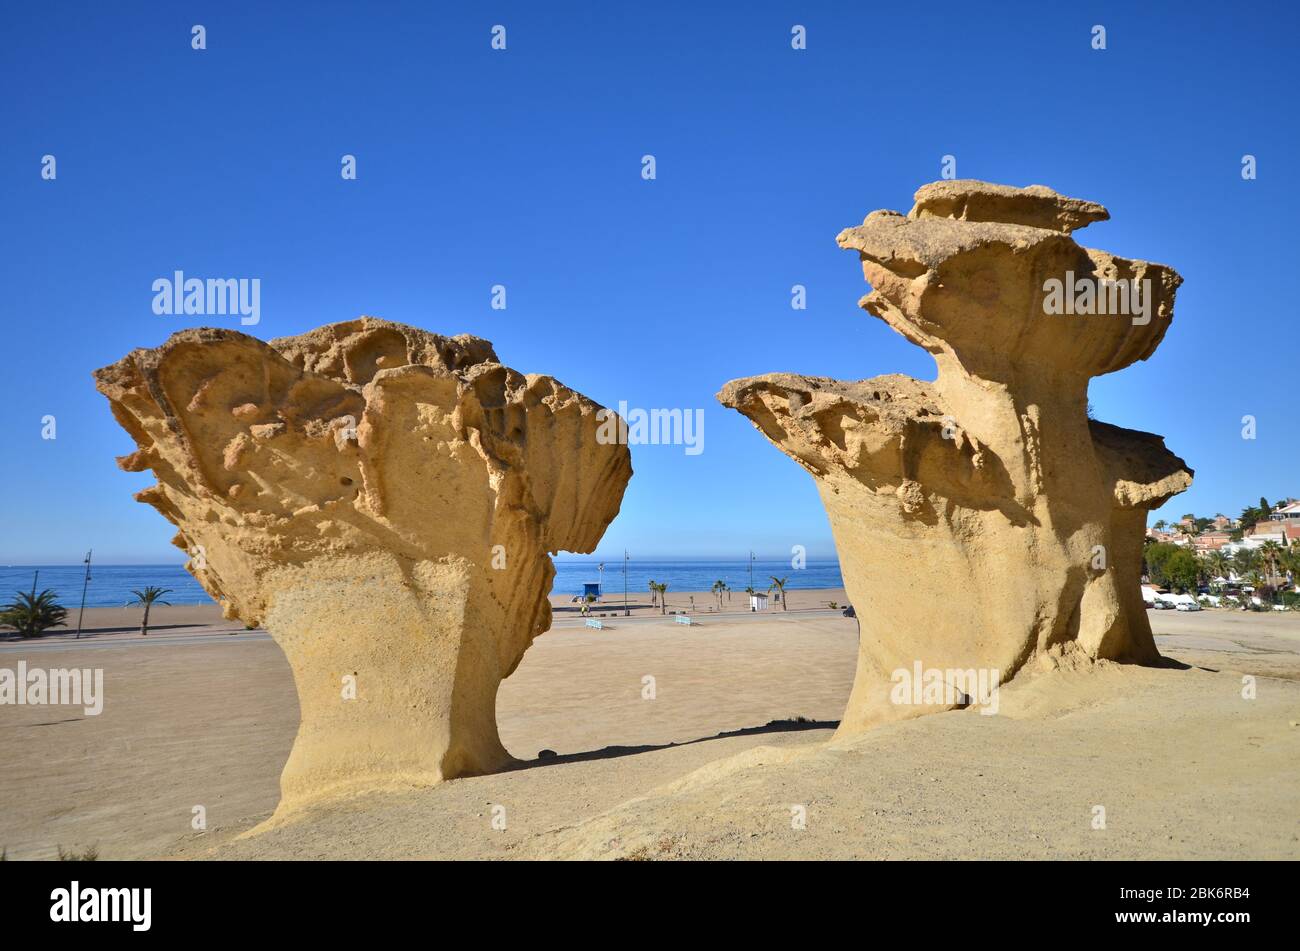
(522,168)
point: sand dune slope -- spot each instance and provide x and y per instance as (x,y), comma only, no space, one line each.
(1183,766)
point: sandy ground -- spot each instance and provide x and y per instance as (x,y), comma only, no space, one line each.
(1182,764)
(186,619)
(702,603)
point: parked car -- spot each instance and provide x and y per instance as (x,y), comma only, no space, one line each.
(849,612)
(1162,605)
(1188,606)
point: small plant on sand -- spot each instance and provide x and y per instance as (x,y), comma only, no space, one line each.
(31,614)
(779,585)
(643,853)
(89,855)
(833,605)
(148,597)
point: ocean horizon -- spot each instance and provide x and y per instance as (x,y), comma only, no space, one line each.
(111,585)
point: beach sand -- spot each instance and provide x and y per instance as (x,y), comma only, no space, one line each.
(196,716)
(182,619)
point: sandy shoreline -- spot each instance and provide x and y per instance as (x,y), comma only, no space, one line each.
(187,619)
(193,722)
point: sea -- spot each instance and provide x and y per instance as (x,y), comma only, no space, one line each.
(111,585)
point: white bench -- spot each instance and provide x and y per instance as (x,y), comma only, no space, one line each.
(684,619)
(596,624)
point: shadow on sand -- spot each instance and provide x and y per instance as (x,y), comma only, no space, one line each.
(610,752)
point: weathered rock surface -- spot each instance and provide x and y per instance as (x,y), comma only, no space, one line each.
(382,500)
(982,520)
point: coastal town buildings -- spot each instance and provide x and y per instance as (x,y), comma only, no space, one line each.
(1226,534)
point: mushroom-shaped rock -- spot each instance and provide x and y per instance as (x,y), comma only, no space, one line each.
(983,520)
(383,501)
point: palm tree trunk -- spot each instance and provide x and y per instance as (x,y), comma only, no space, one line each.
(144,624)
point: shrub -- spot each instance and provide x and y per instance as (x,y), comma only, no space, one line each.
(32,615)
(89,855)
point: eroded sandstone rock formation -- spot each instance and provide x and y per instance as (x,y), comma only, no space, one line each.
(382,500)
(983,520)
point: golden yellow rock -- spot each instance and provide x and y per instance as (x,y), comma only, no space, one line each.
(382,500)
(984,519)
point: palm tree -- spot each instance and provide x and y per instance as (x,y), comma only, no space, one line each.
(1219,564)
(1291,561)
(31,614)
(663,597)
(1270,552)
(149,597)
(1161,525)
(1244,562)
(779,584)
(1259,584)
(654,593)
(719,586)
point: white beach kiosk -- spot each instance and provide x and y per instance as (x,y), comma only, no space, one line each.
(758,601)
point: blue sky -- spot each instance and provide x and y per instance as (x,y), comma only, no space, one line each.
(479,167)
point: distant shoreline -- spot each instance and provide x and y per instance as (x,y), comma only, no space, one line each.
(101,621)
(111,585)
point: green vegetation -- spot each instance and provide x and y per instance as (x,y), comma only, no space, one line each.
(662,589)
(1156,557)
(1270,570)
(779,585)
(1254,514)
(31,615)
(148,597)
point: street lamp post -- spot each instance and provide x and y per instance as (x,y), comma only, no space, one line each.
(626,610)
(84,585)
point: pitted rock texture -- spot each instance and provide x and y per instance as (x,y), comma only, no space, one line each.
(383,501)
(983,521)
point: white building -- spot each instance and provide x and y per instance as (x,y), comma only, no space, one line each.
(758,602)
(1286,513)
(1251,543)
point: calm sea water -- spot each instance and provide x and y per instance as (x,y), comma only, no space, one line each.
(111,585)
